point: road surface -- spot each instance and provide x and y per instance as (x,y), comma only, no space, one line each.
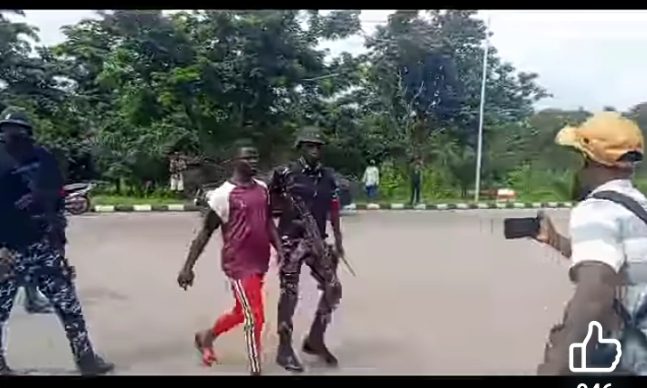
(436,293)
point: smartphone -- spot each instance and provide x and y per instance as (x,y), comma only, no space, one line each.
(514,228)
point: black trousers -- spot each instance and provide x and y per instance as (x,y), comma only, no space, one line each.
(415,192)
(43,264)
(323,269)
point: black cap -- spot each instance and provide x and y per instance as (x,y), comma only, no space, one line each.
(17,117)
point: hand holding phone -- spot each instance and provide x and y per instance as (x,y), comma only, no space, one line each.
(514,228)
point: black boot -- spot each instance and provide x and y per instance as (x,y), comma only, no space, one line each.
(285,355)
(91,365)
(314,343)
(4,368)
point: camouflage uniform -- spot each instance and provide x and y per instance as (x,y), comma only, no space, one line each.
(312,189)
(28,257)
(43,265)
(322,268)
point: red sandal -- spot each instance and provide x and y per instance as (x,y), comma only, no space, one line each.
(208,355)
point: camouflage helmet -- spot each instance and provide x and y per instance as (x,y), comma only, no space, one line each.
(16,117)
(309,135)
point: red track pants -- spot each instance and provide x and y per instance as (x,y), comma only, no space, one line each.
(249,309)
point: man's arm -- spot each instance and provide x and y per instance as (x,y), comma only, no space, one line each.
(562,244)
(597,255)
(217,215)
(596,285)
(273,232)
(550,236)
(210,223)
(49,182)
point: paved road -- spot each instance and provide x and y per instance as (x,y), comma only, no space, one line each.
(436,293)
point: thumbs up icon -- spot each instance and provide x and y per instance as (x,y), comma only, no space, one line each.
(593,327)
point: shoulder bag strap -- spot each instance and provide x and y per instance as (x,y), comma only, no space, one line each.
(640,212)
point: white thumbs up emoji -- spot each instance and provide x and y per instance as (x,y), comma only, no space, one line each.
(593,326)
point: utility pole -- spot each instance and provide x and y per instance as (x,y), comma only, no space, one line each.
(479,146)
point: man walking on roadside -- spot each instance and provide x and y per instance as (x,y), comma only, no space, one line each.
(31,256)
(371,180)
(240,206)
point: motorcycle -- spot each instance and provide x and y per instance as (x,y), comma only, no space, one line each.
(77,199)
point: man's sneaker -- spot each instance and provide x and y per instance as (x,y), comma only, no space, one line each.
(92,364)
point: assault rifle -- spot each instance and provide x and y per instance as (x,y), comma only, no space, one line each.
(310,227)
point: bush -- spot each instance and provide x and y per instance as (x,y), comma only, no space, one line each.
(540,185)
(395,183)
(134,191)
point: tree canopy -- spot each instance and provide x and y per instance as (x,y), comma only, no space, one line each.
(130,86)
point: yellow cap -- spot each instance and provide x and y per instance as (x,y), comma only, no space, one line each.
(605,138)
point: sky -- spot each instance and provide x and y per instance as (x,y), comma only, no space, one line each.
(584,58)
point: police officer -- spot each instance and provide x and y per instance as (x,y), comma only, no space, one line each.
(27,190)
(34,301)
(608,243)
(305,193)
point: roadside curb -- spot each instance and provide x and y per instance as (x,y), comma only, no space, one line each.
(352,207)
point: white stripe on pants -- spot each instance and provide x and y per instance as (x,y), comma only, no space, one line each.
(250,326)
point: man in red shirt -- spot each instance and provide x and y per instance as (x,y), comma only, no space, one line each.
(240,206)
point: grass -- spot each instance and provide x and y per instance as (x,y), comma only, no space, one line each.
(124,200)
(167,199)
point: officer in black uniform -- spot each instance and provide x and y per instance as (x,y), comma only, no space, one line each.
(29,178)
(305,193)
(34,302)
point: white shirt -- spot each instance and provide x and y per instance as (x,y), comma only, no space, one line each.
(371,176)
(607,232)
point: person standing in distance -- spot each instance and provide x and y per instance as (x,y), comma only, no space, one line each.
(416,179)
(306,184)
(240,206)
(371,180)
(177,165)
(26,236)
(607,241)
